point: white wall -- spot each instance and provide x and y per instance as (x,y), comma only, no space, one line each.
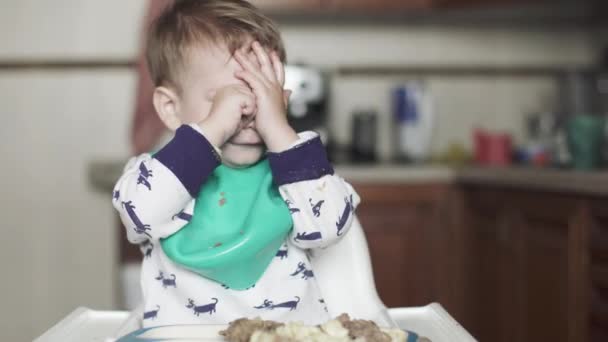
(462,103)
(66,29)
(58,248)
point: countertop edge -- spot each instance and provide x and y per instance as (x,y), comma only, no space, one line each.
(103,175)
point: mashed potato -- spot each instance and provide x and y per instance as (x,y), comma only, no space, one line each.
(340,329)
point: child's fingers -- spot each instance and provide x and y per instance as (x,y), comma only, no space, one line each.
(254,82)
(211,94)
(248,66)
(246,99)
(264,60)
(286,95)
(247,106)
(279,68)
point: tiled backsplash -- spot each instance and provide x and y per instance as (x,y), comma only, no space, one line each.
(431,45)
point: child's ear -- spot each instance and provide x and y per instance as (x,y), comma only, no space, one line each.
(166,103)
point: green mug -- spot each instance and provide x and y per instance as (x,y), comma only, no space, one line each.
(585,139)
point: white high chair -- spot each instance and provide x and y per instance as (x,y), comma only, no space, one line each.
(346,287)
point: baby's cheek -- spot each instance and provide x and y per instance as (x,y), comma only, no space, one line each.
(196,113)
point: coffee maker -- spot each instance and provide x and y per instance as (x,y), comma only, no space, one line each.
(308,100)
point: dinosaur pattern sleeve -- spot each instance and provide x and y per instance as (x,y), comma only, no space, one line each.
(322,204)
(155,194)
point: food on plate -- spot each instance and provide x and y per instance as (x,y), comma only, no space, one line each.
(340,329)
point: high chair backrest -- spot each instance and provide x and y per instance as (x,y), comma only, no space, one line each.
(344,274)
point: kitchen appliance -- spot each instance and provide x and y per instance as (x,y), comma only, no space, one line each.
(364,127)
(308,100)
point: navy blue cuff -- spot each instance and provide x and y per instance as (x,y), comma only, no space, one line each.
(190,157)
(304,162)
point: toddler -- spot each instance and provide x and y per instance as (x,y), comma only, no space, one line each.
(228,210)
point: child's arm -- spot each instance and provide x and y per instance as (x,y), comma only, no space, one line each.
(322,204)
(155,195)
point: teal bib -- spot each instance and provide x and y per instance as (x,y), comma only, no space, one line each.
(239,223)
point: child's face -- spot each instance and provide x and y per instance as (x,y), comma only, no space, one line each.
(210,68)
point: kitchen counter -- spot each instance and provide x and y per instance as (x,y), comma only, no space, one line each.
(582,182)
(104,174)
(394,173)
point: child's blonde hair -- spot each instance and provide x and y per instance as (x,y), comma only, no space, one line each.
(190,23)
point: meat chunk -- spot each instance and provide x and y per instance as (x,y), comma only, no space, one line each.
(242,329)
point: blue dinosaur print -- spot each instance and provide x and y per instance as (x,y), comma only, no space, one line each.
(308,237)
(291,305)
(322,301)
(306,274)
(348,209)
(210,308)
(316,208)
(140,227)
(182,215)
(144,175)
(266,305)
(166,281)
(115,195)
(152,314)
(228,287)
(146,248)
(282,253)
(291,210)
(148,253)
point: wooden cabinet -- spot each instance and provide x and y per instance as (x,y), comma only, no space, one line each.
(413,247)
(399,227)
(597,262)
(339,6)
(484,3)
(367,6)
(518,264)
(376,6)
(510,264)
(288,6)
(538,265)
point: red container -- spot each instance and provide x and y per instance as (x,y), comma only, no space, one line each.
(492,148)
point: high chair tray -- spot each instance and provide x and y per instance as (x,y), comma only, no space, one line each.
(84,324)
(201,333)
(182,333)
(88,325)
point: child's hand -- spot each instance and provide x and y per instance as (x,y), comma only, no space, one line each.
(266,80)
(225,118)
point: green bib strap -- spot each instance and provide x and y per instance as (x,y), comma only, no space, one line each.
(239,223)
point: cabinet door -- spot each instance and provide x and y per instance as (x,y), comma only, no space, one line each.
(495,289)
(400,225)
(519,265)
(289,6)
(598,274)
(387,6)
(547,222)
(484,3)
